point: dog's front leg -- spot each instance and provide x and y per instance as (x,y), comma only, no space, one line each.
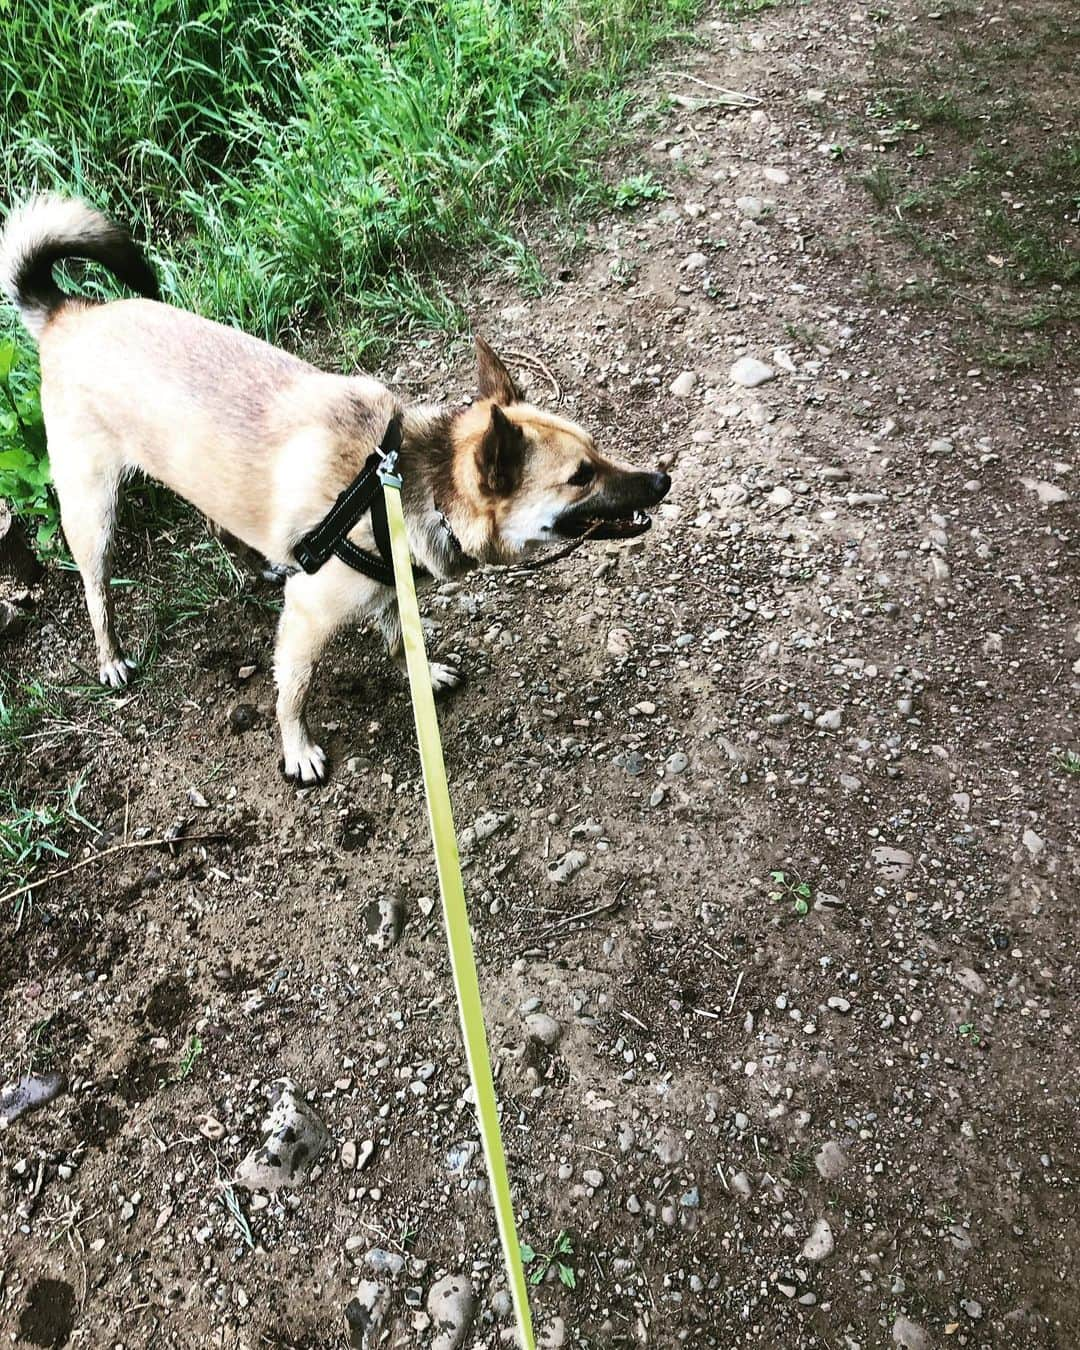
(444,674)
(313,612)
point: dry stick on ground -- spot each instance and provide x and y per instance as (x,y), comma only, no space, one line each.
(737,99)
(97,857)
(534,363)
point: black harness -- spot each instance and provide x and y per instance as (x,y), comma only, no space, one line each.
(363,494)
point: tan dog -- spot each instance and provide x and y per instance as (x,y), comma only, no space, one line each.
(262,443)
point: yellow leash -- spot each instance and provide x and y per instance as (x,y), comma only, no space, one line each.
(455,913)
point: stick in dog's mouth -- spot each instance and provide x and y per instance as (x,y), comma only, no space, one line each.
(600,527)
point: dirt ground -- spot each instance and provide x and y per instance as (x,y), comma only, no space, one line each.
(847,652)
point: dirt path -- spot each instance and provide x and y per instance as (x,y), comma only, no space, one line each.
(847,653)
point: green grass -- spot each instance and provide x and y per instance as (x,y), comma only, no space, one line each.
(976,170)
(314,159)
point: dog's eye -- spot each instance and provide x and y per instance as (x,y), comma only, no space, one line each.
(582,475)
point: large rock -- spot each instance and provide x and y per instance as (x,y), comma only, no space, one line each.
(295,1137)
(451,1303)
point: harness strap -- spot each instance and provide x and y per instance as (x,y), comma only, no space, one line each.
(363,494)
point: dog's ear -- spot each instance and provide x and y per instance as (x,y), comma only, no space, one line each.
(493,378)
(500,455)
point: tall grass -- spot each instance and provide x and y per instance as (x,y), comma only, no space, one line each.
(309,157)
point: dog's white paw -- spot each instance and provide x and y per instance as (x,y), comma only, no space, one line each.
(115,674)
(444,675)
(307,766)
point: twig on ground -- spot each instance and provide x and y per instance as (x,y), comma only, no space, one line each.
(534,363)
(97,857)
(733,98)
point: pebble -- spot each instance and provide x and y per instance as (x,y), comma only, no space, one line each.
(778,176)
(1048,493)
(753,208)
(385,920)
(1034,844)
(560,870)
(593,1177)
(620,642)
(553,1336)
(451,1304)
(910,1335)
(893,864)
(780,497)
(30,1092)
(820,1244)
(750,372)
(676,764)
(838,1004)
(294,1139)
(682,386)
(365,1313)
(694,262)
(831,720)
(543,1029)
(831,1160)
(383,1262)
(242,718)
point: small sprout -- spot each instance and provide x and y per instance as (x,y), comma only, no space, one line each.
(189,1058)
(542,1262)
(968,1032)
(786,887)
(1068,761)
(836,151)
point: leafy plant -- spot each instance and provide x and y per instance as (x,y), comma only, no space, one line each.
(24,466)
(1068,761)
(192,1052)
(789,887)
(542,1262)
(635,191)
(968,1032)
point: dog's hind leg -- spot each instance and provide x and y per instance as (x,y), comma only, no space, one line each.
(88,513)
(444,674)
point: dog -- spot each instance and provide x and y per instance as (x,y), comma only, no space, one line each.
(263,443)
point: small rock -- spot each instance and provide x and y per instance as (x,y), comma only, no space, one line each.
(910,1335)
(364,1314)
(779,176)
(1034,844)
(210,1127)
(295,1138)
(385,920)
(893,864)
(749,372)
(543,1029)
(553,1336)
(242,718)
(620,642)
(348,1155)
(819,1245)
(246,672)
(30,1092)
(382,1262)
(682,386)
(968,979)
(451,1304)
(12,620)
(838,1004)
(831,720)
(1048,493)
(753,208)
(694,262)
(831,1160)
(592,1176)
(676,764)
(562,869)
(780,497)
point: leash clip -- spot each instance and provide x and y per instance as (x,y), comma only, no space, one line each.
(387,470)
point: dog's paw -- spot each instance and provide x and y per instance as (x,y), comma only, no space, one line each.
(307,766)
(445,675)
(115,674)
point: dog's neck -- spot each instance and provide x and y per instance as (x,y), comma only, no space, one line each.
(458,537)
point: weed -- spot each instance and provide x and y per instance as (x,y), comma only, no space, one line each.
(968,1032)
(192,1052)
(1068,761)
(636,191)
(24,468)
(800,1165)
(542,1262)
(789,887)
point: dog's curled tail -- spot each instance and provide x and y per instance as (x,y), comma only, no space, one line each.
(49,229)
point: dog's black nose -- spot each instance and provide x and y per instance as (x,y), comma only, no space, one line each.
(661,482)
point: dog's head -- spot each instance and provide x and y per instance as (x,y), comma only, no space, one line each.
(529,477)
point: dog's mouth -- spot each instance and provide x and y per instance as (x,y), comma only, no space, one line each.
(581,525)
